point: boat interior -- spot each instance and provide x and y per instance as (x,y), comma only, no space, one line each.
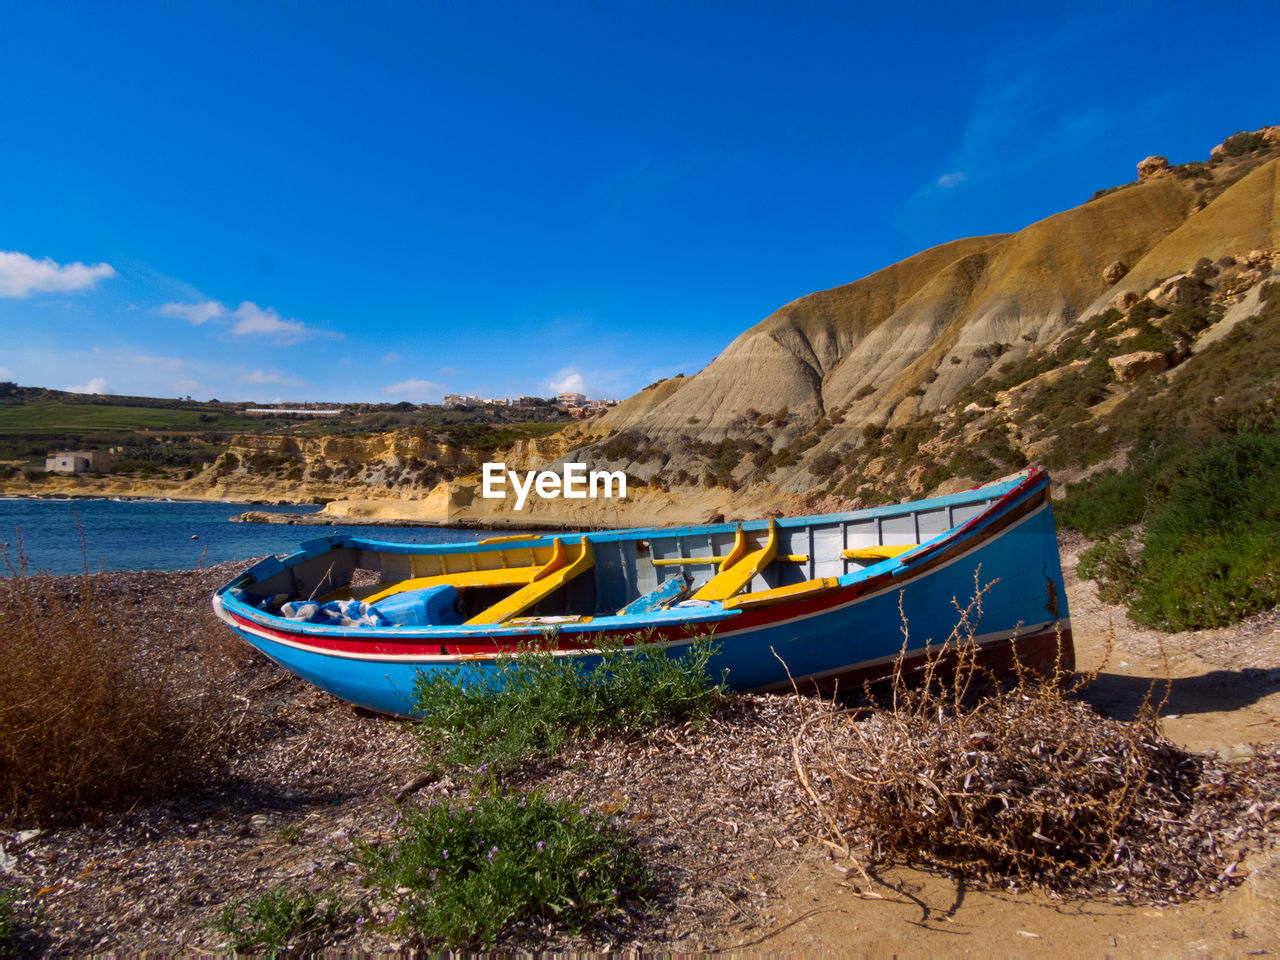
(525,580)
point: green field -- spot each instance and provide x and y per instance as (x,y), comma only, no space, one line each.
(60,419)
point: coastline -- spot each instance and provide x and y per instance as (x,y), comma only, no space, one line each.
(322,519)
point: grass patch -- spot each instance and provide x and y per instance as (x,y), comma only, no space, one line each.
(531,703)
(95,707)
(463,874)
(11,926)
(44,418)
(280,920)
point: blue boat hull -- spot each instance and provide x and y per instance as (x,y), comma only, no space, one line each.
(849,631)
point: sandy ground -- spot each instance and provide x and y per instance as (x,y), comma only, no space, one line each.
(1225,692)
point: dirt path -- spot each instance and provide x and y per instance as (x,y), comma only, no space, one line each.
(1225,693)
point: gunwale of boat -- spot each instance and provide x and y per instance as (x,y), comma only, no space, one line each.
(793,571)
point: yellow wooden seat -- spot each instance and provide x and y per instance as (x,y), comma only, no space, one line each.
(556,573)
(496,577)
(740,566)
(791,592)
(885,551)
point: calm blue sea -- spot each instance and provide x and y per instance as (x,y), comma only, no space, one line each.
(158,535)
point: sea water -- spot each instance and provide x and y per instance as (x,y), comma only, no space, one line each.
(63,536)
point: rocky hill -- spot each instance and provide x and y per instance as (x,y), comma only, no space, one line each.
(839,390)
(1055,344)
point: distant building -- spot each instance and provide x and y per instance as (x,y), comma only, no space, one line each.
(461,400)
(78,461)
(291,412)
(571,399)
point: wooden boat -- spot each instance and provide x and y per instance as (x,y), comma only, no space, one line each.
(826,594)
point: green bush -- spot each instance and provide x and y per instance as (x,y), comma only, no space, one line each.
(1103,504)
(623,446)
(1209,555)
(1109,563)
(1212,532)
(463,874)
(825,464)
(1243,142)
(1220,579)
(995,443)
(1064,401)
(13,924)
(532,702)
(1149,337)
(279,920)
(1145,310)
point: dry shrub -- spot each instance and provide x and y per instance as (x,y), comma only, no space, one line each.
(1016,783)
(100,703)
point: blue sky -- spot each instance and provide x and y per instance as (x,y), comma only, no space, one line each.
(389,201)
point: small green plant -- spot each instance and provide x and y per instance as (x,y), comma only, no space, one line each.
(461,874)
(11,924)
(281,919)
(530,703)
(1145,310)
(1243,142)
(825,464)
(291,833)
(1109,563)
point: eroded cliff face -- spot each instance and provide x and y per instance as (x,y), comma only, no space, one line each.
(908,338)
(400,465)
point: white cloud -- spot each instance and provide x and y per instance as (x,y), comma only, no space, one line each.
(568,380)
(165,364)
(949,180)
(448,371)
(21,275)
(250,320)
(415,390)
(390,358)
(271,376)
(96,385)
(197,313)
(597,382)
(6,373)
(253,321)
